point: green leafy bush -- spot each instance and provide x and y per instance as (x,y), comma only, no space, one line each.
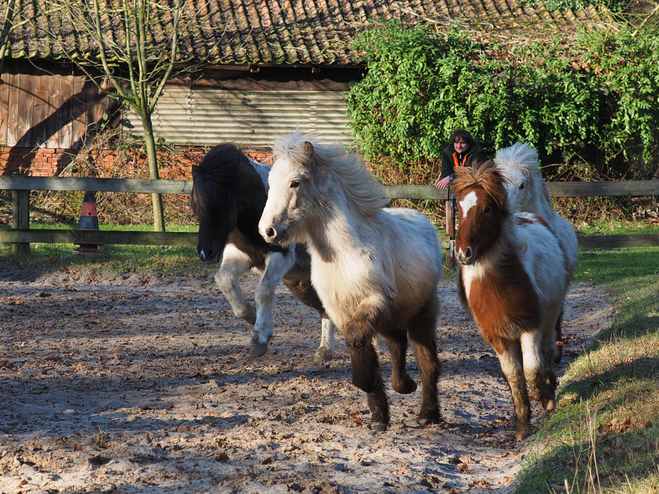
(589,104)
(617,6)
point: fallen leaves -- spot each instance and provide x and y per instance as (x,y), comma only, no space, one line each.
(168,375)
(618,426)
(355,414)
(480,484)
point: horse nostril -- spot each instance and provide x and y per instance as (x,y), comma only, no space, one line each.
(202,255)
(270,232)
(468,253)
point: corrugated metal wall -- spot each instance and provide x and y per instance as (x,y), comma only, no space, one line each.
(251,118)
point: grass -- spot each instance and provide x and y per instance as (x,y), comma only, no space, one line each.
(619,227)
(122,259)
(37,225)
(604,435)
(616,266)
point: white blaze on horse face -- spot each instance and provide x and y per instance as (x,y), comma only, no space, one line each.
(277,207)
(468,202)
(278,176)
(272,204)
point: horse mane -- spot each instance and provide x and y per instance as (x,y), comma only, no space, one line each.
(362,190)
(520,155)
(221,163)
(485,176)
(523,157)
(215,178)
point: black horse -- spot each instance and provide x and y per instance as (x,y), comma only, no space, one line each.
(229,192)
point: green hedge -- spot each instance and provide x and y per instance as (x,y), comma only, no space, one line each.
(589,103)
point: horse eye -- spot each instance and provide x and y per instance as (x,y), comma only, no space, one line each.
(521,187)
(295,184)
(487,209)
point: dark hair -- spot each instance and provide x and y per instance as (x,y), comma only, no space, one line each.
(462,135)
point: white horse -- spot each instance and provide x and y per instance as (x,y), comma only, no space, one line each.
(375,269)
(513,277)
(527,192)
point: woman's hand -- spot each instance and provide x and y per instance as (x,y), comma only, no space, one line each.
(441,184)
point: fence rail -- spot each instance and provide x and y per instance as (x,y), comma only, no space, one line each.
(21,235)
(135,185)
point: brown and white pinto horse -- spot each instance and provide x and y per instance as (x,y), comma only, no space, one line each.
(512,277)
(527,191)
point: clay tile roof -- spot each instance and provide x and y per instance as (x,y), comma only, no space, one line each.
(316,32)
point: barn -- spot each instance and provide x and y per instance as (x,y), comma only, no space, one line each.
(254,70)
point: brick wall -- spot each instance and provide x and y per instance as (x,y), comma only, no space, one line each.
(40,162)
(47,162)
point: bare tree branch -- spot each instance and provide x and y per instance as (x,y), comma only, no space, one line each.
(136,67)
(647,19)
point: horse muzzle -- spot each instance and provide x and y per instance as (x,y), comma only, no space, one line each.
(210,257)
(273,230)
(465,257)
(273,235)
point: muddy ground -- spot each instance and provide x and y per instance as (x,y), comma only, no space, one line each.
(134,384)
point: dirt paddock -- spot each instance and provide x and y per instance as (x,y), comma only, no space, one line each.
(144,385)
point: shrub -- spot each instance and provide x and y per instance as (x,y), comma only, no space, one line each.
(589,103)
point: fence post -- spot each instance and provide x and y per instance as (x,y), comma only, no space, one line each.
(450,227)
(20,212)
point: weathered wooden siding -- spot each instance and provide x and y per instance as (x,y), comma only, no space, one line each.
(250,114)
(47,106)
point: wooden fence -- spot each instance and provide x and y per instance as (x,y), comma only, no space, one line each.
(21,235)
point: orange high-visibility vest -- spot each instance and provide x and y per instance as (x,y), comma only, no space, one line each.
(457,162)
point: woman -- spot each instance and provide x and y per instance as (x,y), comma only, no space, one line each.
(463,150)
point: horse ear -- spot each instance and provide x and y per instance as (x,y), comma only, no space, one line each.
(195,170)
(307,150)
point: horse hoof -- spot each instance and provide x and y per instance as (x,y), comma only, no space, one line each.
(520,436)
(247,314)
(548,405)
(378,427)
(322,355)
(258,349)
(522,433)
(408,386)
(429,418)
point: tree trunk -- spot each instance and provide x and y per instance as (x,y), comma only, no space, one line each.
(152,158)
